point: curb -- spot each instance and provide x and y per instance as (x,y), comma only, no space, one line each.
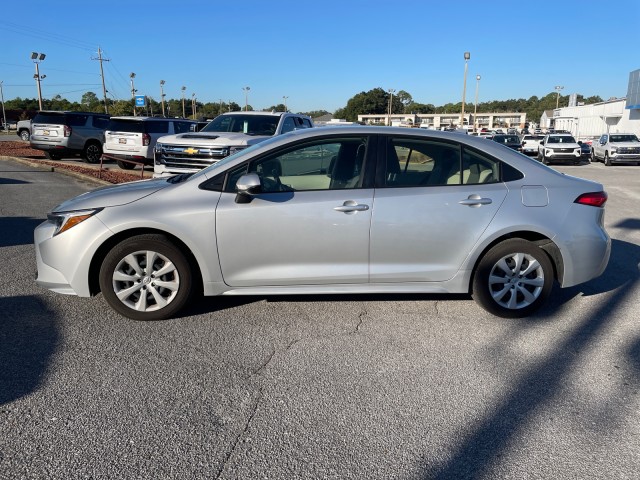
(58,169)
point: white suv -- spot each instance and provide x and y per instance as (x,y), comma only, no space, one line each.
(130,140)
(616,148)
(223,136)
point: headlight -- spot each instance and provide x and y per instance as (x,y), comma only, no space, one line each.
(66,220)
(614,149)
(158,148)
(233,150)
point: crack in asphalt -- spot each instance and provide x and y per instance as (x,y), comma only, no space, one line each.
(247,424)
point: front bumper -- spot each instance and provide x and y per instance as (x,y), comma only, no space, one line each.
(63,261)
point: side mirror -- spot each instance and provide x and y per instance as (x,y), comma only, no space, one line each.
(247,186)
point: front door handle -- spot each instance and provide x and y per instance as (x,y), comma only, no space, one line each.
(475,200)
(351,206)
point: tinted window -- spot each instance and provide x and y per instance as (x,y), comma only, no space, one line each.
(101,122)
(49,117)
(120,125)
(288,125)
(156,127)
(182,127)
(77,119)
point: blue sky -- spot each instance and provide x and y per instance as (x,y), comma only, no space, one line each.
(321,53)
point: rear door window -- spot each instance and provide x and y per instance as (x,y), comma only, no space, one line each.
(100,122)
(77,119)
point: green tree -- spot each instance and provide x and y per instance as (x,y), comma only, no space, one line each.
(90,101)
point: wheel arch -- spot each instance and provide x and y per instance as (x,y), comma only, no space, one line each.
(101,252)
(542,241)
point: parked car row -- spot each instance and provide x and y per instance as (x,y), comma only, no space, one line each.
(185,146)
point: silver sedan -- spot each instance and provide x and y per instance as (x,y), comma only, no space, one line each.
(333,210)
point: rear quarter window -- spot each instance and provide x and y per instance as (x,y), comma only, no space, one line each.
(157,127)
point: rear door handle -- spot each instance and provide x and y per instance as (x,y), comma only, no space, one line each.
(351,206)
(475,200)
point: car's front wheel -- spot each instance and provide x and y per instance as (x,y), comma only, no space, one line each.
(607,160)
(24,135)
(146,277)
(513,279)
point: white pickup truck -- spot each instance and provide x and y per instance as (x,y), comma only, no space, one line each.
(223,136)
(616,148)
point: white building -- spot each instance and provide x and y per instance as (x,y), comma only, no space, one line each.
(616,115)
(440,120)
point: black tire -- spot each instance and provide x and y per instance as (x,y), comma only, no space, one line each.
(607,160)
(24,135)
(545,161)
(506,293)
(593,157)
(92,152)
(126,165)
(124,271)
(53,155)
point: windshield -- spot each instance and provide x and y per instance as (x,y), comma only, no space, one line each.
(624,138)
(243,123)
(561,139)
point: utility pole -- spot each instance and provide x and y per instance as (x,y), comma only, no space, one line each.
(104,88)
(133,92)
(162,96)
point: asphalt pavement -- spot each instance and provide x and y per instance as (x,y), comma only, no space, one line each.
(373,387)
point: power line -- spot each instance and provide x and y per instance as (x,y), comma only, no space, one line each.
(29,31)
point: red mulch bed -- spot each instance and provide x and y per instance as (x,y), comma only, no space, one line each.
(22,150)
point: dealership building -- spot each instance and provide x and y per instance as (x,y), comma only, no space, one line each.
(616,115)
(440,120)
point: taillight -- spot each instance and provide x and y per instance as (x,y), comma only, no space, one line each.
(67,131)
(146,139)
(594,199)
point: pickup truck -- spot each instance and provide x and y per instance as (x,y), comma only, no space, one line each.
(616,148)
(530,144)
(226,134)
(559,148)
(24,130)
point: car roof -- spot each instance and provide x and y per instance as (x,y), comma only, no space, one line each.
(154,119)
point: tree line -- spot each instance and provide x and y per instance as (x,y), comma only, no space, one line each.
(375,101)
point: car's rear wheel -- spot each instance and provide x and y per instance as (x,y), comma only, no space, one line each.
(126,165)
(607,160)
(92,152)
(146,277)
(513,279)
(53,155)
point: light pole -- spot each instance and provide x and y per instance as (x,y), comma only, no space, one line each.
(37,58)
(284,97)
(4,116)
(558,89)
(133,92)
(246,98)
(193,105)
(467,56)
(475,108)
(183,112)
(162,95)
